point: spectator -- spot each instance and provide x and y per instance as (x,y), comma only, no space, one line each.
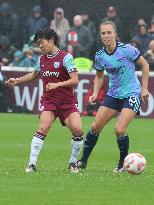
(135,30)
(34,47)
(9,24)
(151,29)
(28,60)
(34,22)
(143,38)
(61,25)
(149,55)
(17,58)
(136,43)
(88,23)
(6,51)
(79,39)
(92,28)
(112,16)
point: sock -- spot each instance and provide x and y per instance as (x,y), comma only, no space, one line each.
(36,146)
(76,144)
(89,144)
(123,144)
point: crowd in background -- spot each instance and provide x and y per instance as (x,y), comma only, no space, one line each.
(82,39)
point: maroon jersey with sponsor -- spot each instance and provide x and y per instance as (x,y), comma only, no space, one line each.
(54,69)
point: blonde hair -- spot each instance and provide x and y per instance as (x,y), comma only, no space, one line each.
(113,25)
(109,23)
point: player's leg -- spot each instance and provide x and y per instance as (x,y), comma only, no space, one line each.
(122,123)
(130,107)
(104,115)
(73,122)
(46,120)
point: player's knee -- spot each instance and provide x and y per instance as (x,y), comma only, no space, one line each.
(77,131)
(119,131)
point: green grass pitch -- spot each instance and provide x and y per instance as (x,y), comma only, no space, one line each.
(53,184)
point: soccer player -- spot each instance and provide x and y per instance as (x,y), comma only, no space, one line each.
(124,95)
(59,75)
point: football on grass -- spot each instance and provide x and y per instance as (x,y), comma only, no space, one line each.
(135,163)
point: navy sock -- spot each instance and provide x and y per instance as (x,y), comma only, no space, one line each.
(89,144)
(123,144)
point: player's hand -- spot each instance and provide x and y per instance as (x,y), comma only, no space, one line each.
(144,94)
(11,82)
(51,86)
(92,98)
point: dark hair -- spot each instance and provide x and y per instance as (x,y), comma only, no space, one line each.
(46,33)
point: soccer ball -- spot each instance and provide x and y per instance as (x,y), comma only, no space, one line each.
(135,163)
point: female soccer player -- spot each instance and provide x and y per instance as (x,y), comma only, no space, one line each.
(124,95)
(59,75)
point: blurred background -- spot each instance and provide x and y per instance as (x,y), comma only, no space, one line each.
(129,11)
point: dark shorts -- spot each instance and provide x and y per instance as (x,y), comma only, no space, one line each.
(62,111)
(132,103)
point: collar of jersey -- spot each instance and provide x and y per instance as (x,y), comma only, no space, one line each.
(53,55)
(112,51)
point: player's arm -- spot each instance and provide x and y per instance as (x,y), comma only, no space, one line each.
(29,77)
(73,81)
(97,85)
(69,65)
(145,74)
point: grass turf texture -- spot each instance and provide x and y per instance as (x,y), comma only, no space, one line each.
(53,184)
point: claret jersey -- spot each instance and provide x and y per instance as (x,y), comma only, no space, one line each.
(120,67)
(56,68)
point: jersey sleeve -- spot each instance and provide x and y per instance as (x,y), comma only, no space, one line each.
(69,63)
(98,66)
(133,53)
(37,66)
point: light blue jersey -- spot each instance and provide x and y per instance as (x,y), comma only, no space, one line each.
(120,66)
